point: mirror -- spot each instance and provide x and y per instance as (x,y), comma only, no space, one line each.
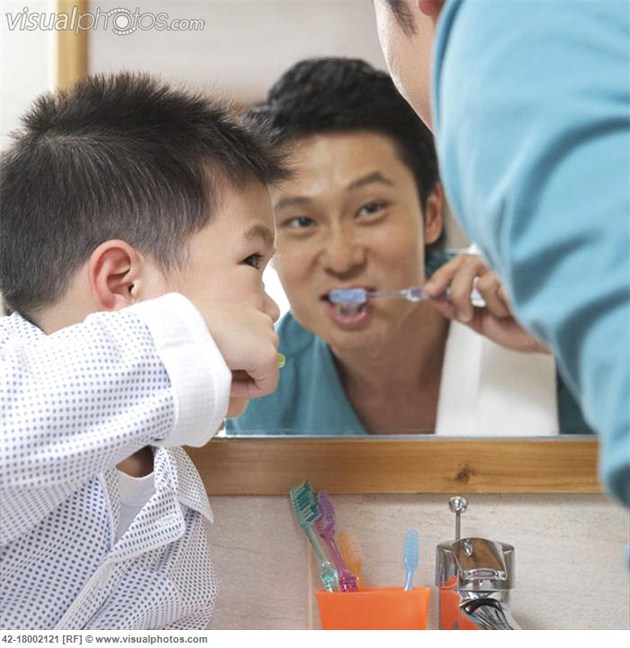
(240,49)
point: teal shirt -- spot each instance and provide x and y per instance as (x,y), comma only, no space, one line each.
(310,399)
(532,121)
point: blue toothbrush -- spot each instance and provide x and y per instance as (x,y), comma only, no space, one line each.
(307,512)
(358,296)
(410,557)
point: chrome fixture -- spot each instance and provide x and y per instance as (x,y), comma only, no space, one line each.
(474,577)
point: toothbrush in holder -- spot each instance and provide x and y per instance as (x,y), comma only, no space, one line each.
(352,554)
(307,512)
(325,526)
(349,296)
(410,557)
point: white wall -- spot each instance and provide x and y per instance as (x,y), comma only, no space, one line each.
(28,64)
(245,44)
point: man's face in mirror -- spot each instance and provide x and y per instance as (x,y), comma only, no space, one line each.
(350,218)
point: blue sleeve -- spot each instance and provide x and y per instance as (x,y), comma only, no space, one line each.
(532,116)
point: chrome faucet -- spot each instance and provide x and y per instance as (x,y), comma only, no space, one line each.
(474,577)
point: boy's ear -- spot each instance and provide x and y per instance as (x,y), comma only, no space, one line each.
(433,219)
(114,269)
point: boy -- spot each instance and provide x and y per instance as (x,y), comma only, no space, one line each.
(529,105)
(120,191)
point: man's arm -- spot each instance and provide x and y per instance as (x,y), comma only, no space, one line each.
(533,132)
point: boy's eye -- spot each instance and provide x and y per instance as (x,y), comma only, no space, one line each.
(371,208)
(254,260)
(298,222)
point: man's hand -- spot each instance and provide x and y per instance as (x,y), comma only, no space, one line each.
(248,343)
(460,276)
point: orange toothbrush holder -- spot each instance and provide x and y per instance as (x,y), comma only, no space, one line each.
(375,608)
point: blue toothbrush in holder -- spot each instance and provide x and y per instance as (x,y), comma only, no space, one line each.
(410,557)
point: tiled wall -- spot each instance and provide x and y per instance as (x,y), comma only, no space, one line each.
(571,555)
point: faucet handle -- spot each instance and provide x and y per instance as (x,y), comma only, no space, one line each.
(458,505)
(480,559)
(475,565)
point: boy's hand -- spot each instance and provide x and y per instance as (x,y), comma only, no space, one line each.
(495,321)
(248,343)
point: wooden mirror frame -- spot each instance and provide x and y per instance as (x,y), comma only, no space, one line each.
(270,466)
(72,48)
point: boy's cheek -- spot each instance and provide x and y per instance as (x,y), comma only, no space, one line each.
(237,406)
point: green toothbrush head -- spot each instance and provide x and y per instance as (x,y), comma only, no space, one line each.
(304,504)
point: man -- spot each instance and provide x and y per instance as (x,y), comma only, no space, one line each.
(530,106)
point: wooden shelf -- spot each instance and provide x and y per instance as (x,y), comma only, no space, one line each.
(72,47)
(271,466)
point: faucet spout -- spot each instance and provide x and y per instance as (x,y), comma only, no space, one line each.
(488,613)
(475,577)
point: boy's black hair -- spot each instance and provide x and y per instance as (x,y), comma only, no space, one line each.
(337,95)
(123,156)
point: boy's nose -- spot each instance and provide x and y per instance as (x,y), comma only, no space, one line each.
(271,308)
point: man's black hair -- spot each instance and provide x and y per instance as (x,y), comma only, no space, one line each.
(117,157)
(338,95)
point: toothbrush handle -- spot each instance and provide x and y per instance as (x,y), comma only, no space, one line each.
(417,294)
(347,580)
(327,573)
(477,299)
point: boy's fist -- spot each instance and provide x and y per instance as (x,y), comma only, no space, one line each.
(248,343)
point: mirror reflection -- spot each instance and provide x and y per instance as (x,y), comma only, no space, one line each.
(365,209)
(364,212)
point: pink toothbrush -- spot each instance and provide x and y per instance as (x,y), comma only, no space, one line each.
(325,526)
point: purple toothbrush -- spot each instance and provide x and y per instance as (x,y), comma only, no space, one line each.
(325,526)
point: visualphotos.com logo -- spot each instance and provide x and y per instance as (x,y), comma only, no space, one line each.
(120,21)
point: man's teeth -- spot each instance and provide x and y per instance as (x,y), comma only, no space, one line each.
(349,309)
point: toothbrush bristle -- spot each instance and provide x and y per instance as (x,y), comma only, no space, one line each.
(304,504)
(350,547)
(352,555)
(348,296)
(326,523)
(326,506)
